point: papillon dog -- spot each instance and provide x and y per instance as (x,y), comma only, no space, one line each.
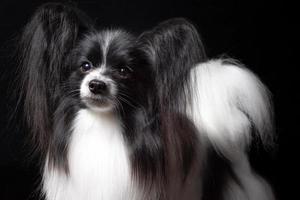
(117,116)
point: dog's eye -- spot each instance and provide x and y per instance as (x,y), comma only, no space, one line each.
(85,66)
(125,72)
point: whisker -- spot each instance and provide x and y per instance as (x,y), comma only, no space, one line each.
(127,102)
(127,99)
(119,104)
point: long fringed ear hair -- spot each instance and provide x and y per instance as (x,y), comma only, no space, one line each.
(44,46)
(172,48)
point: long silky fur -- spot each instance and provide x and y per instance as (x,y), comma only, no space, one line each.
(228,105)
(232,110)
(173,48)
(193,123)
(46,40)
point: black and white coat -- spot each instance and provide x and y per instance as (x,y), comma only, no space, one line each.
(181,130)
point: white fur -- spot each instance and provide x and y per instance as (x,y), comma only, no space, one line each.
(252,186)
(227,101)
(108,37)
(98,162)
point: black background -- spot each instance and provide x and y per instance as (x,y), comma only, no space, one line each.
(260,34)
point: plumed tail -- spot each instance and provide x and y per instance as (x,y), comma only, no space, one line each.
(229,104)
(231,107)
(44,45)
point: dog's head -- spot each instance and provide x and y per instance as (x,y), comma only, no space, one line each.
(108,71)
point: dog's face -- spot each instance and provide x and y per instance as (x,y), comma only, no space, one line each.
(107,73)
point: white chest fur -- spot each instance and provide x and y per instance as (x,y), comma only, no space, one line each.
(98,162)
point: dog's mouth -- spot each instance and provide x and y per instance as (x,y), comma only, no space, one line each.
(98,101)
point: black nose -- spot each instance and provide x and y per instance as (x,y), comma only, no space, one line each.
(97,87)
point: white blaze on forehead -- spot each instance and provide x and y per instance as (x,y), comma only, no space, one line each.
(107,38)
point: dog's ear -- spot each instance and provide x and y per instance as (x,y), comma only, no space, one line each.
(171,50)
(175,40)
(173,47)
(44,45)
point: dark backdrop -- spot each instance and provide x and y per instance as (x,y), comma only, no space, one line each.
(260,34)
